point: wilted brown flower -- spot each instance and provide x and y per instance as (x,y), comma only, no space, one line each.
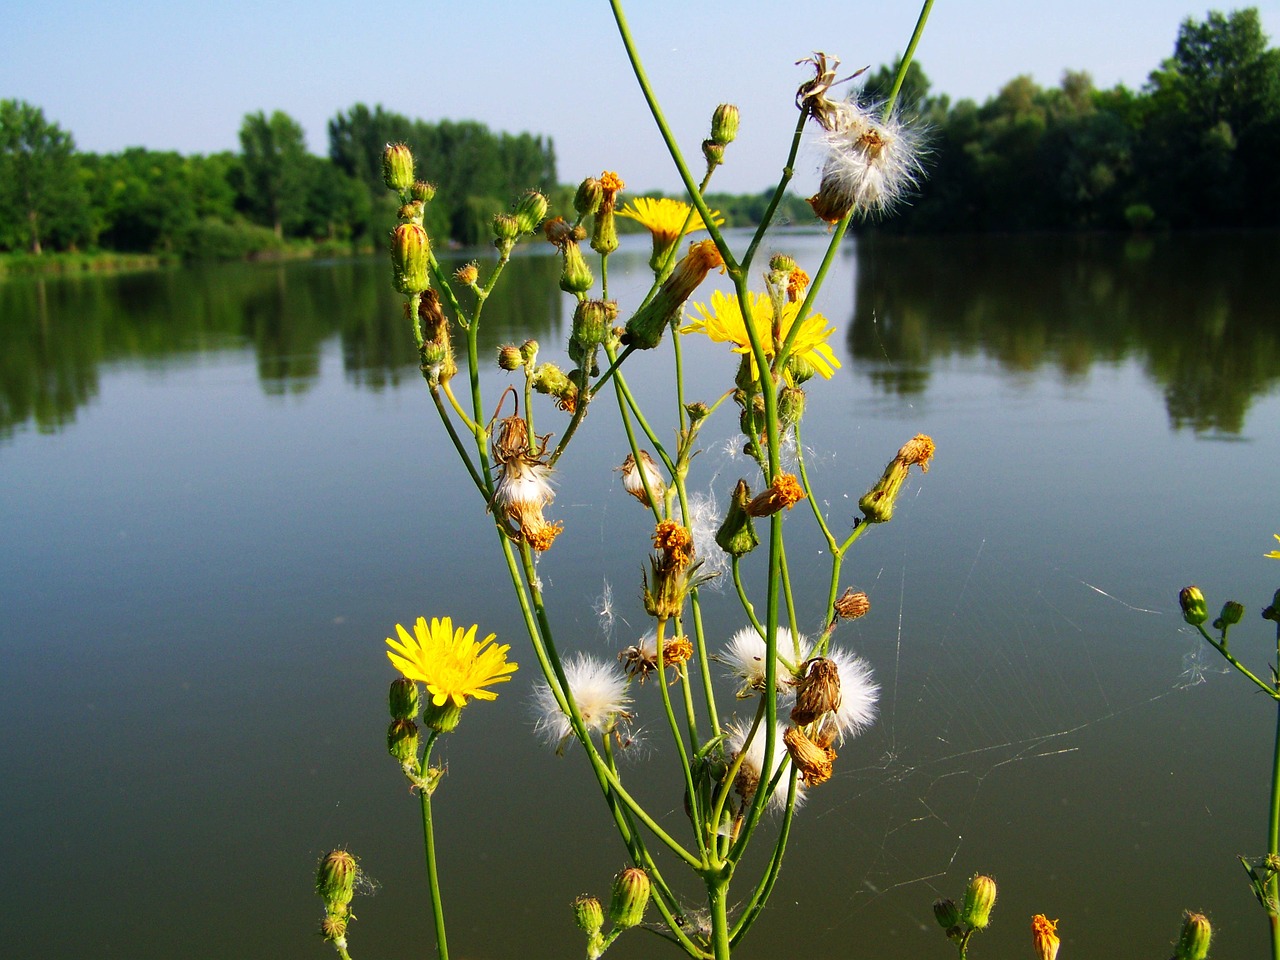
(785,491)
(812,761)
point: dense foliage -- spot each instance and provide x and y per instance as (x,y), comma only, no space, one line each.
(1195,147)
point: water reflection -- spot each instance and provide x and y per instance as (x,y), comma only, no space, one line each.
(1197,312)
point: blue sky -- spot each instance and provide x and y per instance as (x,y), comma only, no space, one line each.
(181,75)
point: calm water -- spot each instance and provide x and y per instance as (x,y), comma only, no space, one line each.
(222,488)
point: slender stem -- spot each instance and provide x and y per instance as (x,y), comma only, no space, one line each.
(760,896)
(457,444)
(429,844)
(748,608)
(908,56)
(1273,829)
(717,895)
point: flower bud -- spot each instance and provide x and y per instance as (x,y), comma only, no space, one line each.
(402,740)
(576,276)
(410,253)
(979,898)
(467,275)
(1272,612)
(336,878)
(946,913)
(587,200)
(800,368)
(444,718)
(1193,944)
(436,353)
(505,227)
(530,211)
(410,211)
(588,914)
(509,358)
(645,328)
(713,153)
(781,263)
(397,167)
(697,411)
(737,535)
(790,406)
(403,698)
(592,320)
(1194,610)
(877,503)
(1232,613)
(422,192)
(630,897)
(724,123)
(529,350)
(604,238)
(551,380)
(334,929)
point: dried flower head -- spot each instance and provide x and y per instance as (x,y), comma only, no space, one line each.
(634,483)
(524,485)
(852,604)
(812,96)
(817,690)
(1044,937)
(871,164)
(645,328)
(641,659)
(784,492)
(675,542)
(813,761)
(858,695)
(878,502)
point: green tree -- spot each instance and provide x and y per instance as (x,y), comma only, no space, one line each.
(274,170)
(41,194)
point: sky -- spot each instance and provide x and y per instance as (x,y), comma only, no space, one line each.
(180,75)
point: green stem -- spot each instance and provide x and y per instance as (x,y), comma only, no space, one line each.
(1273,829)
(429,843)
(908,57)
(717,897)
(760,896)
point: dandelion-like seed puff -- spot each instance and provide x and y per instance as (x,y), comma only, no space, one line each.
(751,774)
(452,664)
(872,163)
(600,691)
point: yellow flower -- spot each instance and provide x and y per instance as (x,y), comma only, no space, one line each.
(450,662)
(723,323)
(663,218)
(1274,554)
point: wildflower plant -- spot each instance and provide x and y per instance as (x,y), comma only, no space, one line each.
(798,698)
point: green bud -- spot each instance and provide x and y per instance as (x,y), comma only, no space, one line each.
(410,211)
(1193,943)
(576,276)
(410,252)
(1194,609)
(800,368)
(334,929)
(403,699)
(946,913)
(592,321)
(697,411)
(604,238)
(402,740)
(713,153)
(737,535)
(1273,612)
(336,878)
(530,211)
(442,719)
(505,227)
(588,914)
(979,898)
(587,200)
(397,167)
(790,406)
(630,897)
(1232,613)
(509,358)
(782,264)
(422,191)
(724,123)
(529,350)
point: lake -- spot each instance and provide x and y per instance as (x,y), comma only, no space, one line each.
(224,486)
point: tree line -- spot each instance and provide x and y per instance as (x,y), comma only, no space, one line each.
(229,205)
(1194,147)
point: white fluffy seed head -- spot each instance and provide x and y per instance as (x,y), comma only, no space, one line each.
(744,656)
(598,688)
(753,761)
(871,162)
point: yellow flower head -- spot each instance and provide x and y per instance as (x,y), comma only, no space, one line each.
(450,662)
(664,218)
(724,323)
